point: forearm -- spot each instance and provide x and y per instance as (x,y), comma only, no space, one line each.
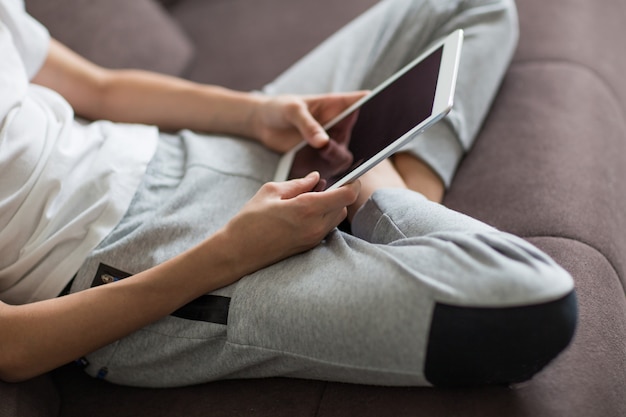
(40,336)
(136,96)
(171,103)
(288,219)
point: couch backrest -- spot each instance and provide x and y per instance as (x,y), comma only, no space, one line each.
(117,33)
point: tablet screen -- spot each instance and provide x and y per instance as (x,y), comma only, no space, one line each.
(388,115)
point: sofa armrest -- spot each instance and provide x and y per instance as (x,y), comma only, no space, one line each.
(37,397)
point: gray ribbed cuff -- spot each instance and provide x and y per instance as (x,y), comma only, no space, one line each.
(439,148)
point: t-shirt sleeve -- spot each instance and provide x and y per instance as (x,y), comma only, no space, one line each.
(31,39)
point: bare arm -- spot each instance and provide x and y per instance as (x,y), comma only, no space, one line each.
(172,103)
(143,97)
(40,336)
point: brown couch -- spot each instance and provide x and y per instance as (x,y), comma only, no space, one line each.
(549,165)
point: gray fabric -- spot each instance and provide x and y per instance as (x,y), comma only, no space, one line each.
(356,308)
(385,38)
(558,391)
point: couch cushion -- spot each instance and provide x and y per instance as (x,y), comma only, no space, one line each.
(551,160)
(589,33)
(275,397)
(168,3)
(35,398)
(246,44)
(117,33)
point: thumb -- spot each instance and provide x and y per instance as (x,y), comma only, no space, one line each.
(295,187)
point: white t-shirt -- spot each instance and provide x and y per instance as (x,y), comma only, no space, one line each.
(63,185)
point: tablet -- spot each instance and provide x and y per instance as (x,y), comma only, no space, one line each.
(383,121)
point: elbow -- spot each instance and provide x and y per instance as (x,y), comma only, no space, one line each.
(15,363)
(19,344)
(13,375)
(16,370)
(11,378)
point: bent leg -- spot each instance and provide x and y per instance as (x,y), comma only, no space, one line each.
(394,32)
(416,288)
(421,288)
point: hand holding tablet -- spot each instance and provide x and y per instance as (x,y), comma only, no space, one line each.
(379,124)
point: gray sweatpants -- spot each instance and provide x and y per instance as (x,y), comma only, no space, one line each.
(357,308)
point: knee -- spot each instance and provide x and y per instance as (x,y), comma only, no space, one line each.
(476,346)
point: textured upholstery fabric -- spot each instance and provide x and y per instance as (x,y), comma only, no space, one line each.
(117,33)
(275,397)
(562,125)
(578,33)
(550,159)
(35,398)
(247,44)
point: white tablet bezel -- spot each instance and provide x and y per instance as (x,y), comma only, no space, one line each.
(442,104)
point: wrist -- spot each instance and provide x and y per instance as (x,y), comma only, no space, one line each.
(245,111)
(214,263)
(255,120)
